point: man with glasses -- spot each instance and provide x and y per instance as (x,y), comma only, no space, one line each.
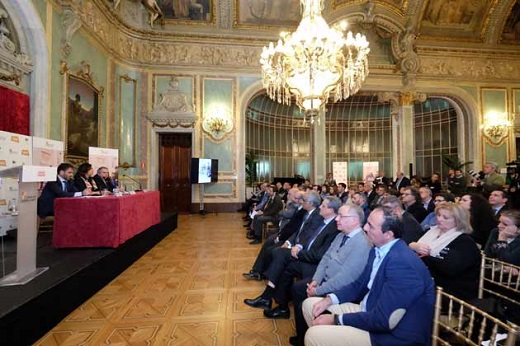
(342,263)
(431,219)
(308,245)
(413,203)
(102,179)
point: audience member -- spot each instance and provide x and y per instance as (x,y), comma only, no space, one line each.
(381,179)
(426,199)
(457,183)
(330,180)
(498,200)
(431,219)
(482,217)
(324,191)
(381,191)
(309,245)
(504,241)
(294,225)
(395,291)
(268,214)
(450,254)
(400,181)
(492,179)
(360,199)
(413,203)
(434,183)
(342,192)
(412,230)
(342,264)
(62,187)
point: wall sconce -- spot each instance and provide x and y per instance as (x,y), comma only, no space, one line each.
(496,127)
(218,123)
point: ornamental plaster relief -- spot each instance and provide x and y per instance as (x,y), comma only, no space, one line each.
(470,68)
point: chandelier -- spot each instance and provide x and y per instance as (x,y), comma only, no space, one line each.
(314,62)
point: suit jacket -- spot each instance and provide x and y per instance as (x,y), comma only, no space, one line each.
(402,284)
(341,265)
(403,183)
(412,229)
(312,253)
(51,191)
(343,197)
(503,251)
(309,225)
(103,184)
(431,206)
(292,226)
(273,208)
(418,211)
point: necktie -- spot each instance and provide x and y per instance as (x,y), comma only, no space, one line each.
(64,186)
(314,235)
(344,240)
(301,228)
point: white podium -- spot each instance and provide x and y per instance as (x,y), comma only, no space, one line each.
(29,178)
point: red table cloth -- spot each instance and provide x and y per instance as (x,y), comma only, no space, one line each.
(106,221)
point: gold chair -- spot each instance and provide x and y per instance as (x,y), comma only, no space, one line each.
(463,323)
(497,275)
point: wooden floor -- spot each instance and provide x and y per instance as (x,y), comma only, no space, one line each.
(188,290)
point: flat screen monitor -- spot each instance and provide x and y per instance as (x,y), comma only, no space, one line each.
(203,171)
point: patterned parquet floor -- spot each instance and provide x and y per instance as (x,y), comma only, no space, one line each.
(188,290)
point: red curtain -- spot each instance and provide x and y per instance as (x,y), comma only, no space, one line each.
(14,111)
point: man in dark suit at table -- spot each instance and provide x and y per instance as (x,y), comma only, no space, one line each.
(102,179)
(62,187)
(391,303)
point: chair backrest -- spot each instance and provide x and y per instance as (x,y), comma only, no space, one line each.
(499,279)
(458,322)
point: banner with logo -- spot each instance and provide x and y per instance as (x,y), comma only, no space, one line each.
(370,170)
(47,152)
(103,157)
(340,172)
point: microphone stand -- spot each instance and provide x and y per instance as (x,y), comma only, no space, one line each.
(134,180)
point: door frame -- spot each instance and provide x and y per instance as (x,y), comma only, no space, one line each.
(153,167)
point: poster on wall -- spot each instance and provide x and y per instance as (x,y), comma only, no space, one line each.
(340,172)
(82,122)
(370,170)
(47,152)
(103,157)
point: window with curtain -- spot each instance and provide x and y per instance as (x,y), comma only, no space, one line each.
(435,135)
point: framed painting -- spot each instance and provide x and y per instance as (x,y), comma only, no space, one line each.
(267,13)
(82,117)
(187,10)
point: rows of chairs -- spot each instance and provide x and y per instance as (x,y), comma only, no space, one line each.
(491,320)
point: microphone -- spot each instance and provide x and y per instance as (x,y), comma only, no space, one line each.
(134,180)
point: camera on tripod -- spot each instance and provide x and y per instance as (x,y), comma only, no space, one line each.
(513,167)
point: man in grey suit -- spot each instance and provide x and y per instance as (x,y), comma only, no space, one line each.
(342,263)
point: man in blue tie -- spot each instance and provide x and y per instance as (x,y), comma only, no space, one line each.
(62,187)
(310,244)
(391,303)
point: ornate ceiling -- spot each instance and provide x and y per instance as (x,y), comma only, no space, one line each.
(476,21)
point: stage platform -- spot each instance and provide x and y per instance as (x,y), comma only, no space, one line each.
(27,312)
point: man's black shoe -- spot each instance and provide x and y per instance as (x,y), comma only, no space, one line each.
(255,242)
(277,313)
(293,340)
(253,275)
(259,302)
(247,225)
(250,236)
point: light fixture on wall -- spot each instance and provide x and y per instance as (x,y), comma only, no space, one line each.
(218,123)
(496,126)
(314,62)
